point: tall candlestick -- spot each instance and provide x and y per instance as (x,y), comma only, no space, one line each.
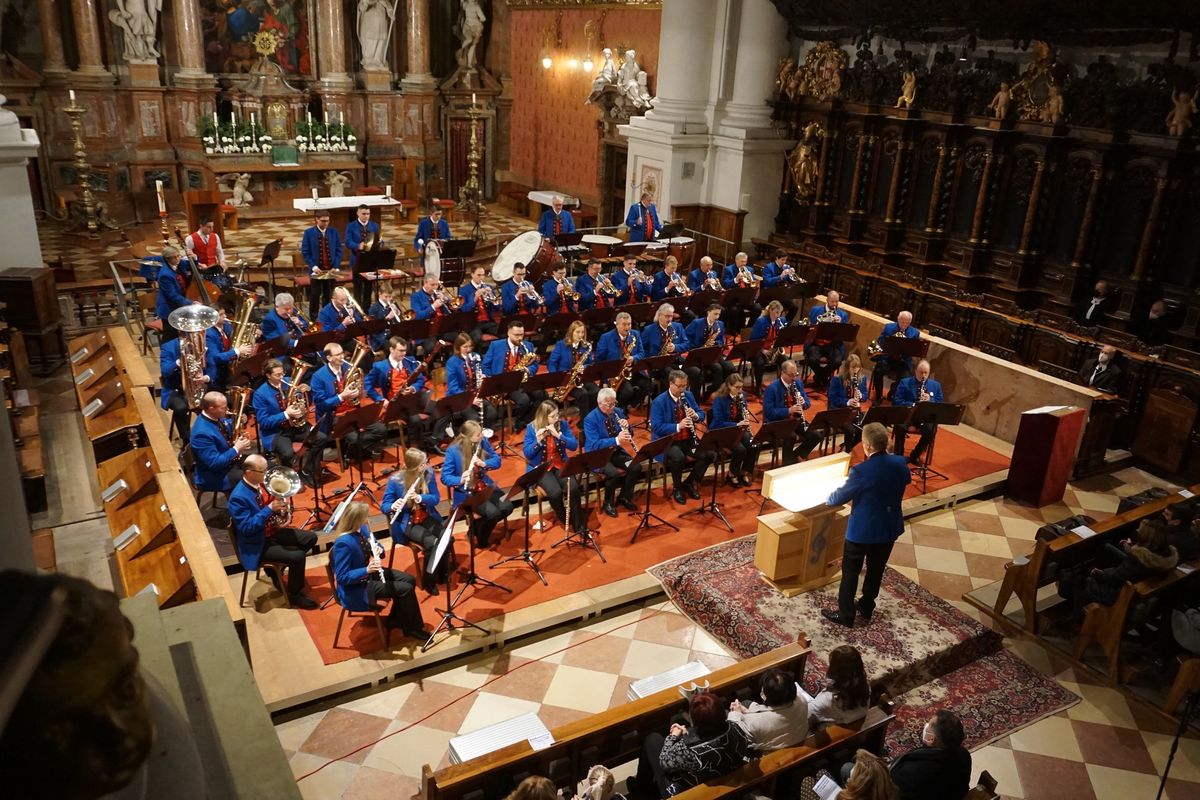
(251,120)
(71,93)
(309,115)
(388,192)
(341,119)
(326,119)
(162,201)
(216,122)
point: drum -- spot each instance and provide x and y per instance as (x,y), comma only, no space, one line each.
(533,250)
(684,250)
(433,259)
(600,246)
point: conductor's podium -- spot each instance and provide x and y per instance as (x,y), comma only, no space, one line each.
(796,547)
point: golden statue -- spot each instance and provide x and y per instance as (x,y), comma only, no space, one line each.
(803,165)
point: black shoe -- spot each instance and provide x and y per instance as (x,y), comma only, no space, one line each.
(692,491)
(626,503)
(678,497)
(865,616)
(417,633)
(610,510)
(429,584)
(914,459)
(835,618)
(304,602)
(732,480)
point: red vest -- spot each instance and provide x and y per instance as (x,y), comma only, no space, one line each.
(206,254)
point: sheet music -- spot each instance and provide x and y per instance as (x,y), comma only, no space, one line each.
(1083,532)
(827,788)
(665,680)
(501,734)
(1046,409)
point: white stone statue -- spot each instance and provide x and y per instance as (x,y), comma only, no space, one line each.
(241,188)
(374,22)
(470,31)
(337,182)
(138,20)
(606,77)
(627,80)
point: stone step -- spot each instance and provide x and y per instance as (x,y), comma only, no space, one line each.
(150,639)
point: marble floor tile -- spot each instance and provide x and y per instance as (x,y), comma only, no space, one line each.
(581,689)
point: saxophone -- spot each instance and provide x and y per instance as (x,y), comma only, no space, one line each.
(668,342)
(561,393)
(775,352)
(523,363)
(711,338)
(627,370)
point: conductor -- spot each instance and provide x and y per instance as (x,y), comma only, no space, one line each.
(874,488)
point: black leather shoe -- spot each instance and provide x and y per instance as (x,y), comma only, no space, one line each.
(693,491)
(732,480)
(626,503)
(835,618)
(304,602)
(678,497)
(610,510)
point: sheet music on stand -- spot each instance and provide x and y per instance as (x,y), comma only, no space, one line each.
(489,739)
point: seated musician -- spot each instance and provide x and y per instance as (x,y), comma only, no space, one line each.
(549,440)
(631,284)
(484,299)
(335,394)
(555,221)
(173,282)
(339,312)
(670,284)
(785,399)
(430,300)
(519,295)
(218,453)
(729,408)
(385,308)
(824,357)
(472,455)
(740,275)
(606,426)
(917,388)
(777,272)
(418,520)
(709,331)
(260,532)
(401,374)
(514,353)
(559,292)
(886,366)
(676,413)
(430,228)
(1101,373)
(281,413)
(849,389)
(218,340)
(622,343)
(705,277)
(766,329)
(642,220)
(575,352)
(284,321)
(595,290)
(321,248)
(361,579)
(204,245)
(361,236)
(173,398)
(664,337)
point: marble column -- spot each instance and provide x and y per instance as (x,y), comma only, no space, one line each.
(682,82)
(762,41)
(985,183)
(1089,215)
(331,36)
(189,44)
(87,40)
(417,74)
(51,29)
(1031,209)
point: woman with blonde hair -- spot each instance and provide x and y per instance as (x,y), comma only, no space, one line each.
(419,520)
(470,455)
(549,440)
(869,780)
(535,787)
(850,388)
(574,351)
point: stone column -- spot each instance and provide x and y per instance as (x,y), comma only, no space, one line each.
(417,74)
(682,81)
(189,45)
(87,37)
(1031,210)
(762,40)
(985,182)
(51,28)
(331,34)
(1085,225)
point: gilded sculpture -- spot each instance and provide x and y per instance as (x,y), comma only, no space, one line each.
(821,75)
(787,66)
(803,164)
(1001,101)
(908,93)
(1180,118)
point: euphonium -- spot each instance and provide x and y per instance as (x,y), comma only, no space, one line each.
(245,332)
(285,484)
(191,322)
(241,395)
(295,395)
(354,378)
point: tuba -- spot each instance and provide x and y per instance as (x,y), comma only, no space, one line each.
(285,484)
(354,378)
(192,322)
(244,331)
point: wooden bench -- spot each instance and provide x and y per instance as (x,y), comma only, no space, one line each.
(611,737)
(1023,577)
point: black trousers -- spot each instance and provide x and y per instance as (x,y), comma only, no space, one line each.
(584,396)
(555,488)
(853,556)
(623,470)
(181,416)
(488,516)
(744,455)
(852,435)
(834,355)
(677,458)
(358,444)
(401,588)
(760,363)
(886,367)
(281,446)
(715,375)
(290,546)
(927,431)
(490,328)
(633,391)
(741,317)
(798,446)
(650,773)
(319,294)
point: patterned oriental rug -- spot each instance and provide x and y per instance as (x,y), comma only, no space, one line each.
(918,648)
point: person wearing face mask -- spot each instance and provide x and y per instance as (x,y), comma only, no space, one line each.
(1095,309)
(941,770)
(780,720)
(1154,326)
(1101,373)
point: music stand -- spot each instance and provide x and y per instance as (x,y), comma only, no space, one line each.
(702,357)
(453,322)
(555,324)
(652,366)
(584,464)
(600,317)
(357,420)
(372,260)
(739,296)
(251,367)
(834,332)
(367,328)
(565,240)
(671,230)
(602,371)
(451,406)
(629,249)
(411,330)
(888,416)
(503,385)
(832,420)
(935,414)
(640,313)
(306,445)
(770,435)
(315,342)
(398,411)
(524,485)
(720,441)
(547,381)
(784,291)
(446,542)
(645,453)
(269,254)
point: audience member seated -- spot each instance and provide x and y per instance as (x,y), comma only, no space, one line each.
(869,779)
(1101,373)
(941,770)
(1185,627)
(1095,309)
(1154,328)
(598,785)
(689,755)
(1183,531)
(847,693)
(535,787)
(780,720)
(1146,557)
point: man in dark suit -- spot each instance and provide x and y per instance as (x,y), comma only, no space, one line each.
(1095,310)
(1154,328)
(875,489)
(1101,373)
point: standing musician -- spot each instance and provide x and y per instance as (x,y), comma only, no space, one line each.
(484,299)
(431,227)
(606,426)
(824,356)
(590,286)
(709,331)
(676,413)
(785,398)
(917,388)
(896,368)
(419,521)
(559,292)
(506,355)
(284,321)
(850,389)
(339,312)
(778,272)
(321,247)
(333,397)
(665,337)
(671,284)
(621,343)
(555,221)
(766,329)
(730,408)
(739,275)
(216,452)
(464,373)
(519,295)
(218,340)
(429,301)
(361,235)
(204,245)
(282,424)
(361,579)
(392,377)
(461,456)
(642,220)
(173,282)
(548,439)
(705,276)
(630,289)
(385,308)
(261,533)
(173,399)
(575,352)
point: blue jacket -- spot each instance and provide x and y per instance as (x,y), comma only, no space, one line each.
(722,413)
(771,274)
(331,319)
(536,453)
(652,338)
(587,287)
(275,326)
(170,294)
(663,421)
(875,488)
(839,398)
(267,412)
(249,522)
(396,489)
(635,220)
(457,380)
(425,232)
(172,375)
(891,329)
(512,304)
(354,237)
(775,400)
(379,378)
(697,333)
(325,394)
(453,467)
(546,223)
(350,572)
(729,276)
(310,247)
(907,391)
(378,310)
(222,357)
(421,303)
(817,311)
(609,348)
(563,356)
(622,282)
(697,277)
(597,434)
(660,286)
(468,293)
(553,300)
(763,324)
(213,453)
(497,354)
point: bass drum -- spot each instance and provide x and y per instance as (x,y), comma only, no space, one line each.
(433,260)
(684,250)
(533,250)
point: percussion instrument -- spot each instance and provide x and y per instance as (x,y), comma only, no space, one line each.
(533,250)
(600,246)
(684,250)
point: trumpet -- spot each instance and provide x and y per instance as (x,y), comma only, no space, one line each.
(746,276)
(566,286)
(447,300)
(711,281)
(677,283)
(606,285)
(788,273)
(284,484)
(529,290)
(829,315)
(486,293)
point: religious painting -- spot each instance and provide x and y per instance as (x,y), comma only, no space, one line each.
(649,180)
(230,27)
(277,120)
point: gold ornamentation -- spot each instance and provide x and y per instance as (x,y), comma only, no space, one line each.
(802,163)
(1037,97)
(821,75)
(527,4)
(266,42)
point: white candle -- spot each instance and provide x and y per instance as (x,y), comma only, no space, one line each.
(327,119)
(216,122)
(309,115)
(341,119)
(314,194)
(162,201)
(388,192)
(71,92)
(252,120)
(472,99)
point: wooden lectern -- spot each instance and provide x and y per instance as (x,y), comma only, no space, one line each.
(203,203)
(1044,454)
(795,547)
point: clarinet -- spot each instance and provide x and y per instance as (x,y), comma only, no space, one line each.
(376,551)
(745,407)
(688,412)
